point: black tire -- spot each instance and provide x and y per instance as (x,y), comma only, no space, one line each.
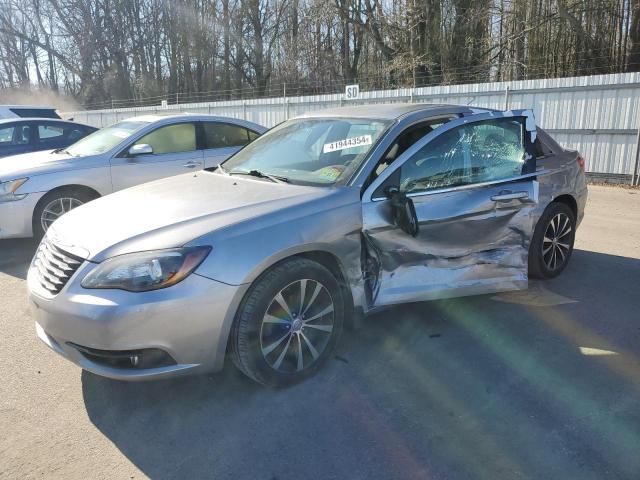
(254,329)
(542,263)
(79,195)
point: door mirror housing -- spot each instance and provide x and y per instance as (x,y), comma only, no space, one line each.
(403,210)
(140,149)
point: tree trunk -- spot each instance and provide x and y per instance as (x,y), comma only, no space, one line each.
(633,56)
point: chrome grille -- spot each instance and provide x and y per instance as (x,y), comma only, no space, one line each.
(54,266)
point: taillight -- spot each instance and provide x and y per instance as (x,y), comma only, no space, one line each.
(580,161)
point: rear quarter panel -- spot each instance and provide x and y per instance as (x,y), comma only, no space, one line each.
(564,177)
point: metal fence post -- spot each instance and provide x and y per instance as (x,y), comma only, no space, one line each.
(637,156)
(506,98)
(285,104)
(634,172)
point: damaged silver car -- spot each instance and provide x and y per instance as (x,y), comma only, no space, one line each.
(325,218)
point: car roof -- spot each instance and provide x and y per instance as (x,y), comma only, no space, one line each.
(386,111)
(157,117)
(40,119)
(154,117)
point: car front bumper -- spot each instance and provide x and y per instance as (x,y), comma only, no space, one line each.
(16,217)
(190,322)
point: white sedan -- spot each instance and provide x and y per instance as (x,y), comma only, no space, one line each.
(37,188)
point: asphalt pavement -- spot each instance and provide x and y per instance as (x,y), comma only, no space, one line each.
(539,384)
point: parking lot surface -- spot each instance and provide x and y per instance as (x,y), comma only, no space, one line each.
(543,383)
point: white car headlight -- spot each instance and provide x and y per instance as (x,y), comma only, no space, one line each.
(8,189)
(144,271)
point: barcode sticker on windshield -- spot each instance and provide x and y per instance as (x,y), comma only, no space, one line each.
(347,143)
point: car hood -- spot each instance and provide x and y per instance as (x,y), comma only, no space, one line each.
(38,163)
(172,212)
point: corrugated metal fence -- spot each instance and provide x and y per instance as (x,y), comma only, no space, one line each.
(597,115)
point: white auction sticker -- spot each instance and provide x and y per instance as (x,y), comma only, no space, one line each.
(347,143)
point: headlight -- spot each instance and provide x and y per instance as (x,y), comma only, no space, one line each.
(144,271)
(8,189)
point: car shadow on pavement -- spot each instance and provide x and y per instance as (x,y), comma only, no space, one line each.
(16,255)
(541,384)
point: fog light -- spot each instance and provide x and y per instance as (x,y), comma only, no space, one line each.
(143,358)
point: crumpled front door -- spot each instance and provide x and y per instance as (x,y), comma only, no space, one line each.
(475,215)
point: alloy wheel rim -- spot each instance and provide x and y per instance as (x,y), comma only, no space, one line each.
(556,242)
(297,325)
(56,208)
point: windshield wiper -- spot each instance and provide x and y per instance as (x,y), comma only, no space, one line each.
(259,174)
(61,150)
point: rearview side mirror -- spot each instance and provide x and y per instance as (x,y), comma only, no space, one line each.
(140,149)
(404,212)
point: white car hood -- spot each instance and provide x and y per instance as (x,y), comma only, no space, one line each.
(38,163)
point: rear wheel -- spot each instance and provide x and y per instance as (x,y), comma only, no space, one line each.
(552,242)
(55,204)
(288,324)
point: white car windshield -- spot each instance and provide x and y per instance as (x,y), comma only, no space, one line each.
(314,151)
(104,139)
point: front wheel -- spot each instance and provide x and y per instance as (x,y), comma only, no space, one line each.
(552,242)
(288,324)
(55,204)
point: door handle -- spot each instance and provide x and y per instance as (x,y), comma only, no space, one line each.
(191,164)
(507,196)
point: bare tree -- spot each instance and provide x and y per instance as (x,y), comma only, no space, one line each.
(125,52)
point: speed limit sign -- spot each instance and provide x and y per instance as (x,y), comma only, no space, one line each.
(352,92)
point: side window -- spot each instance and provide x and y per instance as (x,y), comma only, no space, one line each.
(76,133)
(171,139)
(405,140)
(15,135)
(223,135)
(49,132)
(252,135)
(473,153)
(6,135)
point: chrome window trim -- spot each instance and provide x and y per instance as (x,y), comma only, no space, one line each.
(470,186)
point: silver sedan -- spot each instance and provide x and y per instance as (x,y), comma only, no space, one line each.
(322,220)
(37,188)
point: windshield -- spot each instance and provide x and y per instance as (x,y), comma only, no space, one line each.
(318,151)
(104,139)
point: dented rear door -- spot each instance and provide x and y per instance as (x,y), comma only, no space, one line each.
(474,188)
